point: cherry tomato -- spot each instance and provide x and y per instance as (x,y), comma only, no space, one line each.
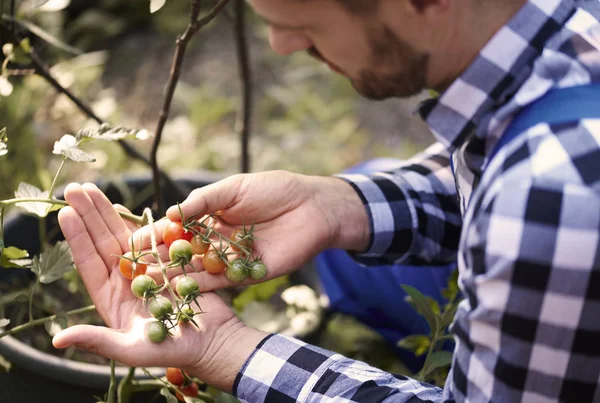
(156,331)
(190,390)
(175,231)
(180,251)
(242,238)
(212,262)
(258,270)
(199,247)
(186,286)
(141,285)
(130,269)
(175,376)
(160,307)
(237,271)
(189,312)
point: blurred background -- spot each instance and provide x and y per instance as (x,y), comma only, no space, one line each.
(305,118)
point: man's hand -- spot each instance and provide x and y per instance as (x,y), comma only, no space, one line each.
(295,216)
(98,236)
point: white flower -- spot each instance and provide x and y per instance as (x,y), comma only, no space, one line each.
(3,149)
(65,143)
(7,49)
(6,88)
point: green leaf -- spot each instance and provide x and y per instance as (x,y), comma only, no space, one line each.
(156,5)
(417,343)
(52,40)
(437,360)
(448,316)
(422,306)
(40,209)
(107,133)
(453,288)
(61,322)
(5,365)
(53,263)
(259,292)
(22,298)
(168,395)
(14,258)
(435,307)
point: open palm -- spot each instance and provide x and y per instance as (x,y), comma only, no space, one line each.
(98,236)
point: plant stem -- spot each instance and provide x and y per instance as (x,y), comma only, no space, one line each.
(37,282)
(42,233)
(113,383)
(421,375)
(60,168)
(181,44)
(141,221)
(245,116)
(12,296)
(41,321)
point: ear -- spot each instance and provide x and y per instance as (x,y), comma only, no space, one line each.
(424,7)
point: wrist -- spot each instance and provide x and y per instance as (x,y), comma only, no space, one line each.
(232,345)
(351,229)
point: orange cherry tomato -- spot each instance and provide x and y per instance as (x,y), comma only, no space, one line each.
(175,376)
(130,269)
(199,247)
(175,231)
(212,262)
(190,390)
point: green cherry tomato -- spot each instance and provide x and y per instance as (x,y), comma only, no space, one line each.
(237,271)
(180,251)
(142,284)
(258,270)
(156,331)
(186,286)
(160,307)
(188,313)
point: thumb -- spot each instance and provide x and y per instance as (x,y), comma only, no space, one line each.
(209,199)
(122,347)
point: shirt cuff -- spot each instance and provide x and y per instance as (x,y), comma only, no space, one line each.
(391,219)
(280,369)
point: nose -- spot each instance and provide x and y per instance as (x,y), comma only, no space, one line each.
(286,42)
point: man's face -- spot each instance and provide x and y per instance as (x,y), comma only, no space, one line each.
(359,46)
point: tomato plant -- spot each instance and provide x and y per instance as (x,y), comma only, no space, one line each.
(199,247)
(142,286)
(175,376)
(180,251)
(175,231)
(187,286)
(189,390)
(237,271)
(213,263)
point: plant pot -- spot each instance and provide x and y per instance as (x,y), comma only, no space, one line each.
(74,378)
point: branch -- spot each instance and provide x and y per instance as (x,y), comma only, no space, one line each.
(43,70)
(245,117)
(194,26)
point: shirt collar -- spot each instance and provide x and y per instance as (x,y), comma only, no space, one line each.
(496,73)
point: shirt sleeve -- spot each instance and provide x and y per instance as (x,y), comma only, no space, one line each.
(283,369)
(529,329)
(413,211)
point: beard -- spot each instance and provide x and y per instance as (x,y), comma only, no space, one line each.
(406,68)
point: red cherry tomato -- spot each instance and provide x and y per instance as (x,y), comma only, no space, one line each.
(175,376)
(175,231)
(190,390)
(131,269)
(212,262)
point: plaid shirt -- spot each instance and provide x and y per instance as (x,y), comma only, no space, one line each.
(525,234)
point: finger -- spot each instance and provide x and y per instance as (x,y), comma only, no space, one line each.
(208,199)
(142,238)
(211,282)
(131,225)
(115,224)
(89,263)
(131,348)
(107,246)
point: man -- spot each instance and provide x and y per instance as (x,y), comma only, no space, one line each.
(528,256)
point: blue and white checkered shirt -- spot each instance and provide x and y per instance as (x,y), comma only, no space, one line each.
(526,234)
